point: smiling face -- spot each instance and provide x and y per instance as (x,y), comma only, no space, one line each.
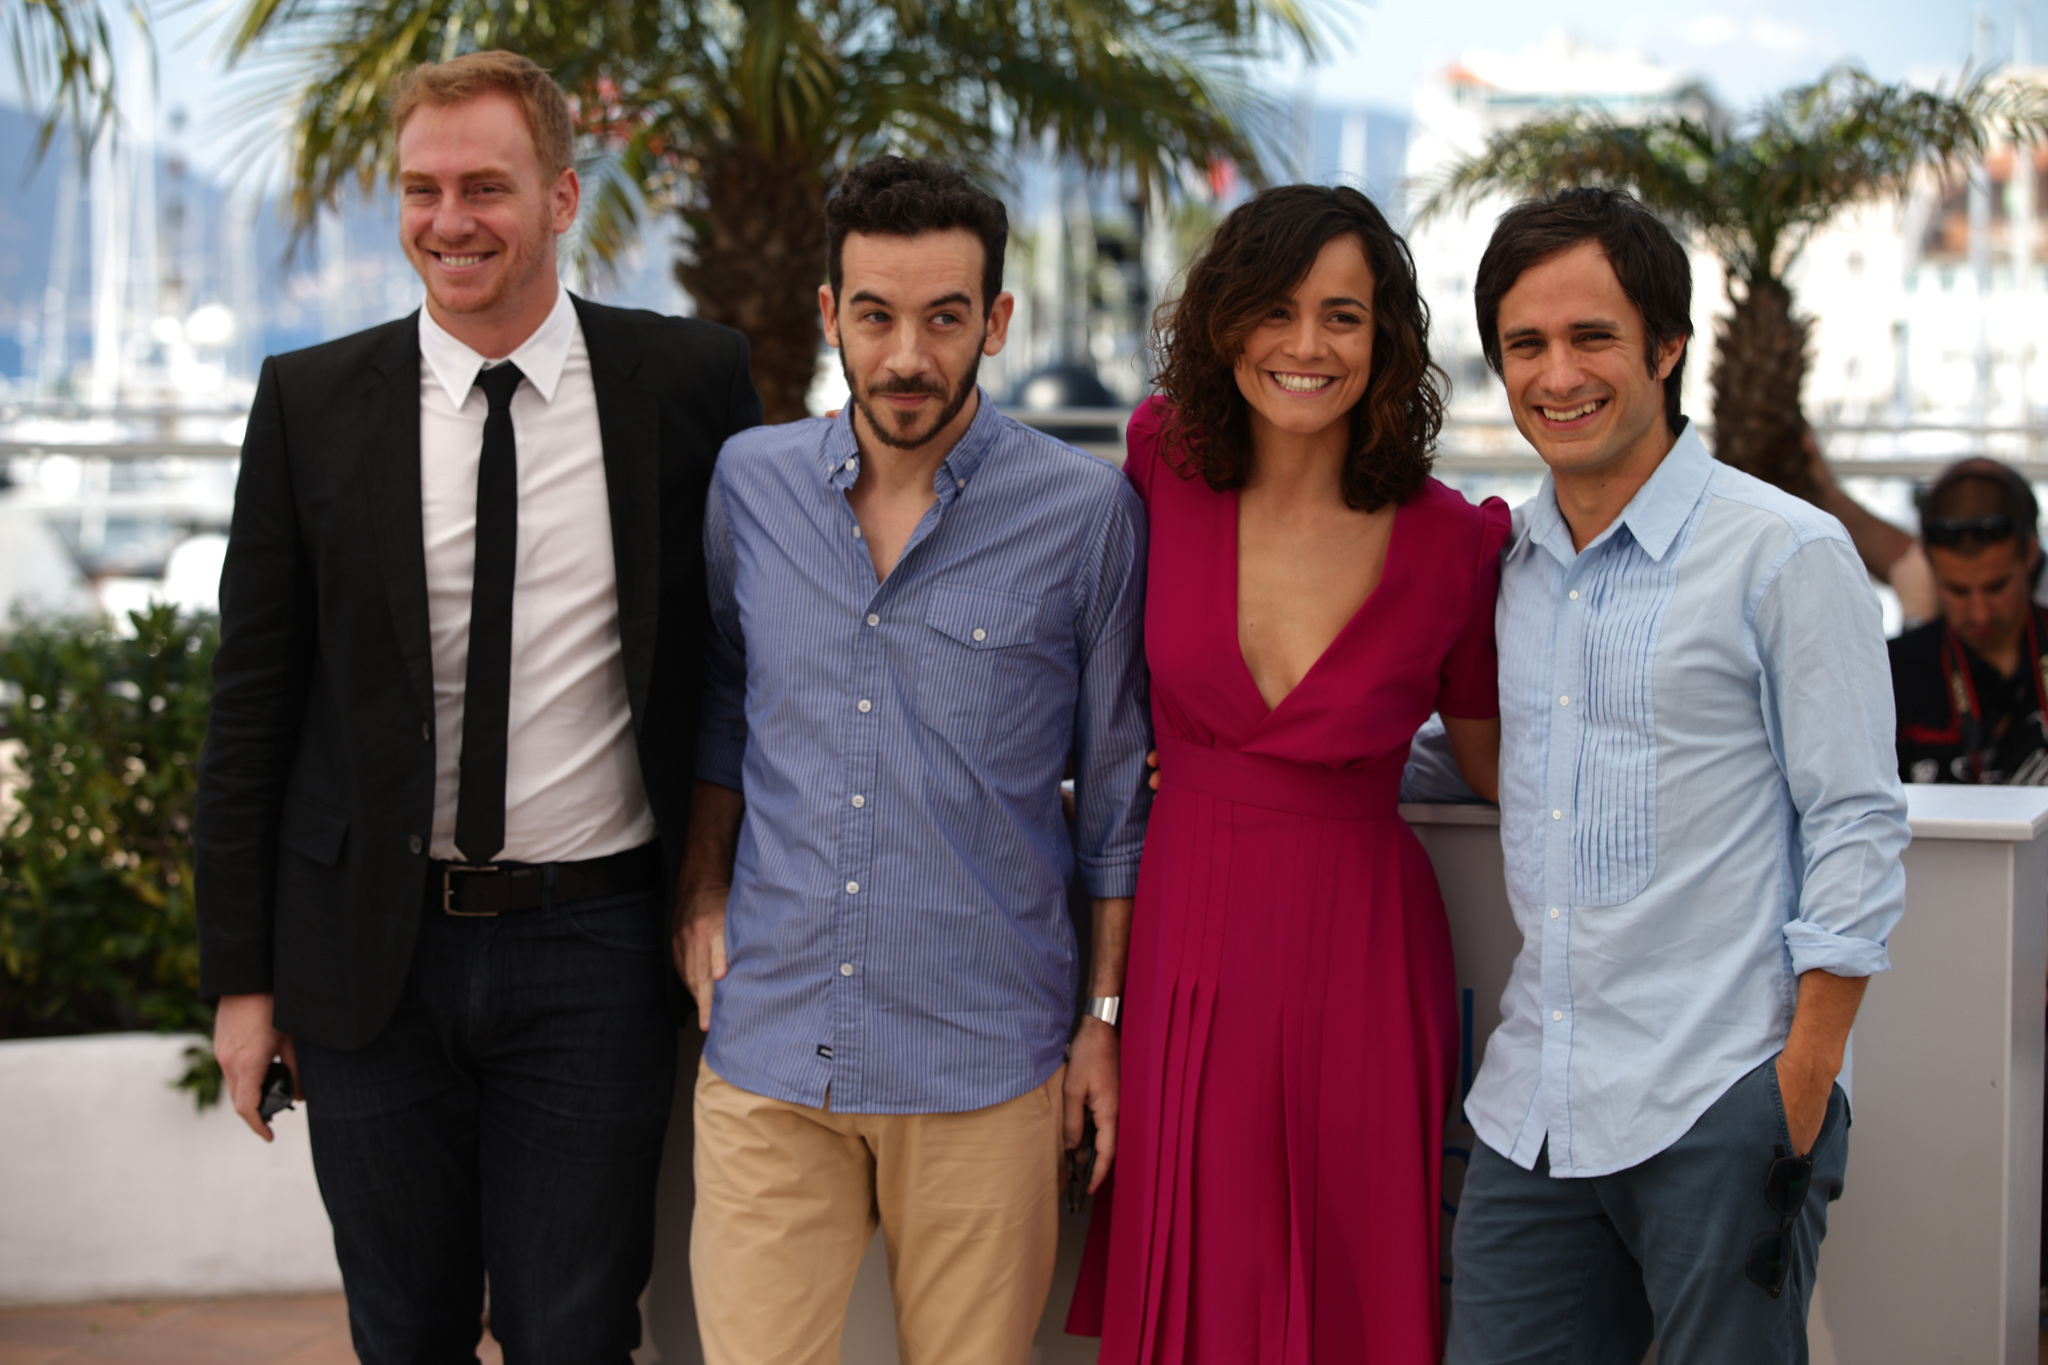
(1306,363)
(911,332)
(479,218)
(1583,386)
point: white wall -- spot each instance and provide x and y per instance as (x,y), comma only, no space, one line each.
(112,1187)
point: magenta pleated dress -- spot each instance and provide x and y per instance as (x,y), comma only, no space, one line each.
(1290,1027)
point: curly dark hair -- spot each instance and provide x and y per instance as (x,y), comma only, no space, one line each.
(893,196)
(1253,260)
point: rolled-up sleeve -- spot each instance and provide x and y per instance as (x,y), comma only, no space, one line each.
(722,711)
(1828,711)
(1112,718)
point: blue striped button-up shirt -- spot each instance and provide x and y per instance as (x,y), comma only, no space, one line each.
(897,932)
(1699,802)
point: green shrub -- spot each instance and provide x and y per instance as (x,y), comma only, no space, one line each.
(97,931)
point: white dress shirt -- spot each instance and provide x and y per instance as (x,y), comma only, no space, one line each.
(572,775)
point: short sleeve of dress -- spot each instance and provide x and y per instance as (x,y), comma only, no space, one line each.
(1468,686)
(1144,439)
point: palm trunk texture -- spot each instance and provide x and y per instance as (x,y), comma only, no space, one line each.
(756,256)
(1760,357)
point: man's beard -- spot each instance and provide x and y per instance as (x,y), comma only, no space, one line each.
(893,435)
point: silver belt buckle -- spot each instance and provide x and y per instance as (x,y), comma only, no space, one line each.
(448,890)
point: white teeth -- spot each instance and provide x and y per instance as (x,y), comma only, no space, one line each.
(1568,414)
(1301,383)
(446,259)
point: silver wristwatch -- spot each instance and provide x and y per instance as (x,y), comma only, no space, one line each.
(1106,1008)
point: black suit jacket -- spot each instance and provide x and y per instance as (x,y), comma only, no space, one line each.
(316,787)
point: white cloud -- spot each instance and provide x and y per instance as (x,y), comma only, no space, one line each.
(1777,37)
(1710,30)
(1770,35)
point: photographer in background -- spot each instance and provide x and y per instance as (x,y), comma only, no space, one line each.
(1969,686)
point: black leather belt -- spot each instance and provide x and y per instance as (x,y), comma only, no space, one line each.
(504,888)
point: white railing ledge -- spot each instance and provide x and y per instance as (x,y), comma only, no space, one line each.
(1449,813)
(2012,814)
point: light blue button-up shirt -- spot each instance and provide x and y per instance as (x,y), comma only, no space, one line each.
(1699,802)
(898,930)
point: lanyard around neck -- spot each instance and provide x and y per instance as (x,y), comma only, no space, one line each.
(1962,688)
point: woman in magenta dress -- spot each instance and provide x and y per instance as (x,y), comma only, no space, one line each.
(1313,595)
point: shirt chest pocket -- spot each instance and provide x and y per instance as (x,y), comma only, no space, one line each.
(977,660)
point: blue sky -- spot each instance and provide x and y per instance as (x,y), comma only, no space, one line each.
(1382,50)
(1744,49)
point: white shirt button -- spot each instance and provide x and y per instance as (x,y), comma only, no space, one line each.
(1575,594)
(866,705)
(1553,909)
(959,483)
(849,464)
(980,634)
(1556,1016)
(846,969)
(859,801)
(874,620)
(856,533)
(1564,701)
(1557,815)
(853,888)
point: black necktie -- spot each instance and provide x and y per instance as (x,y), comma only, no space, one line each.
(487,686)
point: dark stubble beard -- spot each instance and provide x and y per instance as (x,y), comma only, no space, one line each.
(893,435)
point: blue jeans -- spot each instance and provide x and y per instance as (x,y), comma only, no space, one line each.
(1587,1271)
(507,1122)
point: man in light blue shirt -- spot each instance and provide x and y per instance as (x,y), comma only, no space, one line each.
(1702,824)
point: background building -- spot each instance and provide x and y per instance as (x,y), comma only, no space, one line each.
(138,294)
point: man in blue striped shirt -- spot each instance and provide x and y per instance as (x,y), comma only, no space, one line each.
(1702,823)
(923,614)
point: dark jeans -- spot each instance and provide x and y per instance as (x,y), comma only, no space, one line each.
(507,1122)
(1587,1271)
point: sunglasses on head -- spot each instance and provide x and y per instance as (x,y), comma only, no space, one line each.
(1949,531)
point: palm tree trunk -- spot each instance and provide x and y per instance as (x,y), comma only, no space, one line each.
(755,256)
(1760,357)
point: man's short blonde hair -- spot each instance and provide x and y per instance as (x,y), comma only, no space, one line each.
(482,73)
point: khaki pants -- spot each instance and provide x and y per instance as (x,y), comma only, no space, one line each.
(788,1198)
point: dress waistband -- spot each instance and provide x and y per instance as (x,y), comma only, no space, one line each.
(1279,784)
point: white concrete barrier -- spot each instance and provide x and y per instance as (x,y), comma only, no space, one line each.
(112,1187)
(1933,1253)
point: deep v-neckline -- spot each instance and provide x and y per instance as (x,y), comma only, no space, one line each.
(1244,669)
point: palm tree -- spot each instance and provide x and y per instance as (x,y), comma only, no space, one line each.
(64,52)
(738,116)
(1756,190)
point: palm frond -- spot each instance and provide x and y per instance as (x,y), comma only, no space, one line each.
(1758,189)
(1155,86)
(608,223)
(64,59)
(1667,163)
